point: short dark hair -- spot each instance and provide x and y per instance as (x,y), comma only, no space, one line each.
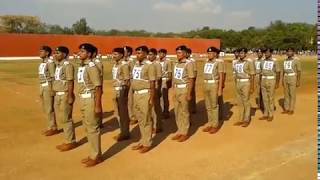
(47,49)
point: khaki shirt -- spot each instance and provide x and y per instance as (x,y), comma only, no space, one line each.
(257,65)
(243,69)
(223,65)
(142,74)
(182,72)
(166,66)
(99,65)
(64,72)
(191,60)
(88,77)
(120,73)
(46,71)
(131,63)
(212,68)
(269,67)
(292,65)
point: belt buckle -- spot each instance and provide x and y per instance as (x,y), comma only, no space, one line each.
(45,84)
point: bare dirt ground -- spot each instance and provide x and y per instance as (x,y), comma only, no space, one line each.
(285,148)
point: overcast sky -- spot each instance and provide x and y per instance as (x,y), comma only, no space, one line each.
(165,15)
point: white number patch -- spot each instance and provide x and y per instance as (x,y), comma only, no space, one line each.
(268,65)
(114,72)
(136,72)
(42,68)
(178,72)
(239,67)
(287,65)
(57,73)
(80,74)
(258,65)
(208,68)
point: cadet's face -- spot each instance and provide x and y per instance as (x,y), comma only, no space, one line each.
(116,56)
(83,54)
(268,54)
(211,55)
(43,54)
(290,53)
(242,55)
(141,55)
(181,54)
(152,56)
(236,54)
(162,55)
(260,55)
(59,55)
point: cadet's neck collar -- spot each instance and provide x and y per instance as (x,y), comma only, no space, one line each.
(182,61)
(61,62)
(242,60)
(212,60)
(86,62)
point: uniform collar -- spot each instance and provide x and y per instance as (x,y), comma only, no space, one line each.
(182,61)
(45,60)
(212,60)
(61,62)
(87,61)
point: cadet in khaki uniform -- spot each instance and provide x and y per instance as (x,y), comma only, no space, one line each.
(291,80)
(89,84)
(220,96)
(121,78)
(236,58)
(270,77)
(63,86)
(244,73)
(166,65)
(193,102)
(257,63)
(156,111)
(97,59)
(213,79)
(46,75)
(143,86)
(183,82)
(128,59)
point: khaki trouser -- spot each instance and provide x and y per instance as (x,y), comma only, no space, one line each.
(268,88)
(211,101)
(193,103)
(164,100)
(120,103)
(130,105)
(258,94)
(243,97)
(142,110)
(91,125)
(181,110)
(157,110)
(64,109)
(47,101)
(290,85)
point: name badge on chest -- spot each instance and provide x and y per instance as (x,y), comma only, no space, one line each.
(268,65)
(136,73)
(115,73)
(42,68)
(81,74)
(57,73)
(258,64)
(239,67)
(208,68)
(287,65)
(178,72)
